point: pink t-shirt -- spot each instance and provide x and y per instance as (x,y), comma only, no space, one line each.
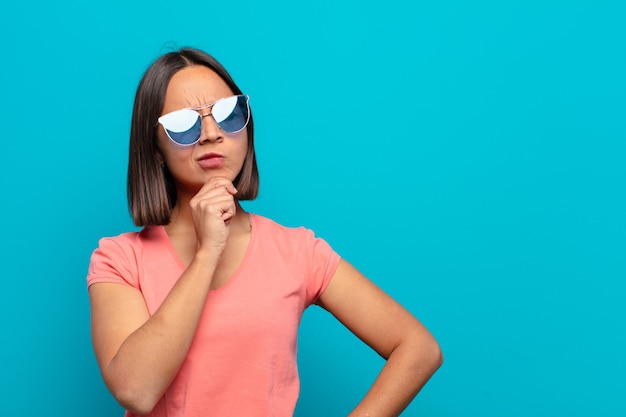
(242,361)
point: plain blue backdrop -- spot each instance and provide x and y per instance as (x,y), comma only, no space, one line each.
(467,156)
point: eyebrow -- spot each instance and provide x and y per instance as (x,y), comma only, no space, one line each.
(206,106)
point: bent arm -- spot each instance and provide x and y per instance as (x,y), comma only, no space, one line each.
(411,352)
(139,355)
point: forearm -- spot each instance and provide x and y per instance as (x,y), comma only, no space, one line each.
(406,371)
(149,359)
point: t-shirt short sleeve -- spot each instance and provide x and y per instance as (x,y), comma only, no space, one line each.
(111,262)
(323,264)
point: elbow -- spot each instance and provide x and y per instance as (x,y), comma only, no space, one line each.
(437,356)
(427,354)
(136,404)
(137,392)
(432,354)
(135,399)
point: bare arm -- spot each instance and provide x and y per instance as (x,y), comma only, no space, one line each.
(412,354)
(139,355)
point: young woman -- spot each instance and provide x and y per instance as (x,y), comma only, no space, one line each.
(197,314)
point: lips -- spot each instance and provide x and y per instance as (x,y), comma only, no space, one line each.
(211,160)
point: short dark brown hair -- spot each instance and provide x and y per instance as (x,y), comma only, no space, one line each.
(150,188)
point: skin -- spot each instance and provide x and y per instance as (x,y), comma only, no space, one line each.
(139,355)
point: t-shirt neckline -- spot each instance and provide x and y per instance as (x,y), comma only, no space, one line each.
(248,254)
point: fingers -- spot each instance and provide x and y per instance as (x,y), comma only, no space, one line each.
(219,182)
(218,202)
(212,209)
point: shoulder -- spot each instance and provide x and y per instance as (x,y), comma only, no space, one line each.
(269,228)
(126,248)
(131,240)
(292,241)
(116,258)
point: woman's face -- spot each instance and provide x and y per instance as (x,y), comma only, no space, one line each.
(217,153)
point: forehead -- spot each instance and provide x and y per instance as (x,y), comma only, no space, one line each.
(194,86)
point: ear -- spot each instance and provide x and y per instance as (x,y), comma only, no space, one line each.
(159,158)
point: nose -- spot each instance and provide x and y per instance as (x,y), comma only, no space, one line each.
(211,132)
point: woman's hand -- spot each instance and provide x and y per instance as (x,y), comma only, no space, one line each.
(211,209)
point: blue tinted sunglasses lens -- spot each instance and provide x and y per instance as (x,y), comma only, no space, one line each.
(231,113)
(185,126)
(182,126)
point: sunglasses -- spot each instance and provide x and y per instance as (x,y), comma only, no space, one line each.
(184,126)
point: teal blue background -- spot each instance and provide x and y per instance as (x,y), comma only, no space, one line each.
(467,156)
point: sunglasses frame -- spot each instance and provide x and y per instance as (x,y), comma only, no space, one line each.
(210,113)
